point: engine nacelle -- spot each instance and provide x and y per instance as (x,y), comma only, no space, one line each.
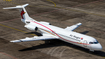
(42,22)
(31,27)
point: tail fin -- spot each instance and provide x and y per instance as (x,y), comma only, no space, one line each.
(23,12)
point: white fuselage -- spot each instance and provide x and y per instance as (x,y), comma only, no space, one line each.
(68,36)
(63,34)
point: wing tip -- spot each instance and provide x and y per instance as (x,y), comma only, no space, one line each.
(79,24)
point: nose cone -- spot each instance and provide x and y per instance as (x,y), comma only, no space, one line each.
(96,46)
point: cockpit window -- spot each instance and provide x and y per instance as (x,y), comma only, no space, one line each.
(96,42)
(93,42)
(90,42)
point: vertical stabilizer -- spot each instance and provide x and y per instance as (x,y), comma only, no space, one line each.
(23,12)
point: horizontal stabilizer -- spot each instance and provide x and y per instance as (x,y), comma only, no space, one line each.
(17,7)
(73,27)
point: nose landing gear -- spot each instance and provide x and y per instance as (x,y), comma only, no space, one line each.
(91,50)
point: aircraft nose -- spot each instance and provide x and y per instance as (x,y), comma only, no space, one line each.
(96,46)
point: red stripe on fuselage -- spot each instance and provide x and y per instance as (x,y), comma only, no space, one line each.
(58,35)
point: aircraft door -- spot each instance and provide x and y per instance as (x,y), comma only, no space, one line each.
(85,43)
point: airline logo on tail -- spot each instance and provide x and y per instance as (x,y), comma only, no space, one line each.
(22,13)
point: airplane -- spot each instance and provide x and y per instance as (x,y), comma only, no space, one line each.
(50,32)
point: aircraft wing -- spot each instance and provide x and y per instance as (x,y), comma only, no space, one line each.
(73,27)
(35,38)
